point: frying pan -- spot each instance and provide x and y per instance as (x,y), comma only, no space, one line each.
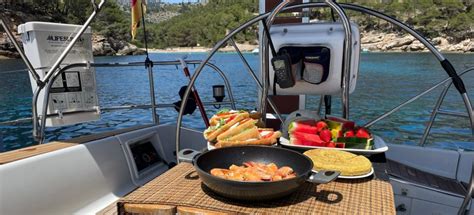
(244,190)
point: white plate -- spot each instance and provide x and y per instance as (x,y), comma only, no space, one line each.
(354,177)
(211,146)
(379,147)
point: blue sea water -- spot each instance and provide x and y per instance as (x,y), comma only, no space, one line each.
(385,80)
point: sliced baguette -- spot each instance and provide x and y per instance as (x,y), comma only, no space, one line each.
(216,118)
(265,141)
(235,130)
(212,132)
(248,133)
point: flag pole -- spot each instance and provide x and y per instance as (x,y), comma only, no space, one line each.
(144,31)
(149,66)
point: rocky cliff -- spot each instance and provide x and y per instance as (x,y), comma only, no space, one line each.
(386,42)
(102,46)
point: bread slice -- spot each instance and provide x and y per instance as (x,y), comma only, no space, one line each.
(246,134)
(237,128)
(212,132)
(270,139)
(215,119)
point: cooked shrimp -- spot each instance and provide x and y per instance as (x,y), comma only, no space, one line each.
(219,172)
(272,167)
(254,171)
(235,176)
(277,177)
(284,171)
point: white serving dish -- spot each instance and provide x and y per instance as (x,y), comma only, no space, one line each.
(211,146)
(354,177)
(379,147)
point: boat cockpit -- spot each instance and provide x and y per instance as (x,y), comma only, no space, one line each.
(297,58)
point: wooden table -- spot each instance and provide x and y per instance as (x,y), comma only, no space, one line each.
(180,190)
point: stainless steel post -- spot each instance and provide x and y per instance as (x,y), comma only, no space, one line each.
(151,81)
(265,59)
(434,114)
(44,113)
(470,111)
(346,58)
(34,112)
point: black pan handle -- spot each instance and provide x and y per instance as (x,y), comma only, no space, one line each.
(323,177)
(188,155)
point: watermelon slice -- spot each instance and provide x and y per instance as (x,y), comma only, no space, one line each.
(301,138)
(303,127)
(296,141)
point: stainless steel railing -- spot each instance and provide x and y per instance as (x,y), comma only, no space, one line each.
(39,123)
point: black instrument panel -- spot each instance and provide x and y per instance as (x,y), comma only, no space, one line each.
(144,155)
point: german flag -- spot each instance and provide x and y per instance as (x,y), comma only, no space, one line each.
(136,11)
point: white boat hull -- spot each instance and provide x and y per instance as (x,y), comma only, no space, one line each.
(85,178)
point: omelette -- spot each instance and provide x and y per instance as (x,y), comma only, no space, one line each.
(347,163)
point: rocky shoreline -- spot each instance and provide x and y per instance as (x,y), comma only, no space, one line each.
(392,42)
(371,42)
(101,46)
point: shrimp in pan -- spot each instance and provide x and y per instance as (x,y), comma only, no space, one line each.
(254,171)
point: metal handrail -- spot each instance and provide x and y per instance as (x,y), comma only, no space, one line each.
(113,108)
(436,109)
(452,113)
(38,127)
(388,113)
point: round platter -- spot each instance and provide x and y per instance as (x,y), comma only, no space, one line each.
(379,147)
(211,146)
(354,177)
